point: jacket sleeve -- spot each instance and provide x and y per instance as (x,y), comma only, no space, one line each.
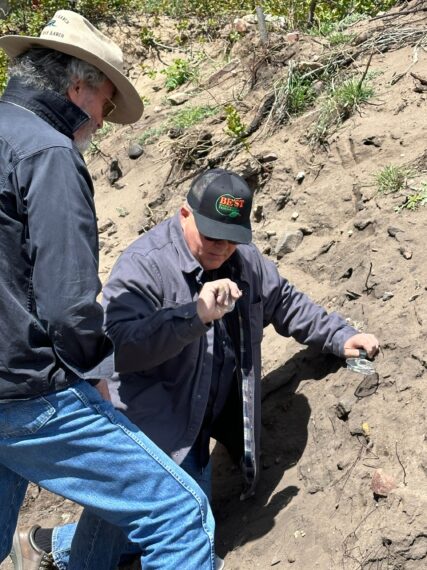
(146,329)
(293,313)
(62,240)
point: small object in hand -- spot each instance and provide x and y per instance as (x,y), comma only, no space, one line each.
(229,306)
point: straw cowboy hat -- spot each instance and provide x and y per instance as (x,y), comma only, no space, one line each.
(72,34)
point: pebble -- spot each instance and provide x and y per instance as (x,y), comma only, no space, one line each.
(382,483)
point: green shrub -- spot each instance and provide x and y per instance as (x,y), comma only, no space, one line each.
(189,116)
(235,126)
(392,179)
(179,72)
(340,103)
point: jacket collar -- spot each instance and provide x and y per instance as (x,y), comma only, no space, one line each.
(52,107)
(187,262)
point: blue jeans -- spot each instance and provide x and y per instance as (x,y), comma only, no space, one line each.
(75,444)
(111,543)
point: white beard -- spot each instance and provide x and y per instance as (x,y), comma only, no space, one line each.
(83,136)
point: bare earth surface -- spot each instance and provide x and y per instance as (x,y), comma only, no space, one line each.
(322,446)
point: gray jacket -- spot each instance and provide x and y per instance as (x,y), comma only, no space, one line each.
(163,352)
(51,331)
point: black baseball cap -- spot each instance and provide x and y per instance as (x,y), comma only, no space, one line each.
(221,202)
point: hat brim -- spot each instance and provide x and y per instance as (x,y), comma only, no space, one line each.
(221,230)
(129,106)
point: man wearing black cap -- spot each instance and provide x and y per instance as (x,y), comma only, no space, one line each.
(185,306)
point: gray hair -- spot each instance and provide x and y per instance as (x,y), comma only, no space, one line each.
(50,69)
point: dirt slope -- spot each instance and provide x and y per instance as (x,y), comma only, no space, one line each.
(322,446)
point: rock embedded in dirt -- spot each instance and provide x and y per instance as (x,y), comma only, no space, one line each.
(135,150)
(282,200)
(178,98)
(240,25)
(392,231)
(108,224)
(293,37)
(115,172)
(267,157)
(406,253)
(362,224)
(288,243)
(300,176)
(258,213)
(387,295)
(382,483)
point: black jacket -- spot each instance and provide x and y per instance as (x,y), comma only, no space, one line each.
(51,324)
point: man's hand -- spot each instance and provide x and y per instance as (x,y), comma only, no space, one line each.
(365,341)
(217,298)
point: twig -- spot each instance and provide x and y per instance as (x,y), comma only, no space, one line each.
(367,288)
(402,466)
(397,14)
(362,79)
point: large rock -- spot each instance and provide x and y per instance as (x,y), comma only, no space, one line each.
(288,243)
(178,98)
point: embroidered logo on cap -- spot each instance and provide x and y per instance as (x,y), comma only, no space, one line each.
(228,205)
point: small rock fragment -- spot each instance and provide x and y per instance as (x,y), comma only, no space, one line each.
(300,176)
(382,483)
(392,231)
(135,150)
(281,201)
(406,253)
(106,226)
(267,157)
(294,216)
(240,25)
(292,37)
(115,171)
(387,295)
(258,213)
(362,224)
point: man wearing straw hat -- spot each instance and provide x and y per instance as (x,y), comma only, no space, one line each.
(55,429)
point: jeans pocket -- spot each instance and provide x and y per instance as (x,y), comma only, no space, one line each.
(24,417)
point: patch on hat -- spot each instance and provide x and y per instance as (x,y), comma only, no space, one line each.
(228,205)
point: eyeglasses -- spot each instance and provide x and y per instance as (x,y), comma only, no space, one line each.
(108,108)
(368,386)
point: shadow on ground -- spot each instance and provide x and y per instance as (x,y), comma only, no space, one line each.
(285,417)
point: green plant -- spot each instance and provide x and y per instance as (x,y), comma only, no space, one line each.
(392,179)
(340,38)
(189,116)
(340,103)
(236,128)
(149,71)
(178,73)
(414,201)
(151,135)
(147,36)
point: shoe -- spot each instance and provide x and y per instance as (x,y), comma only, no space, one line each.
(25,553)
